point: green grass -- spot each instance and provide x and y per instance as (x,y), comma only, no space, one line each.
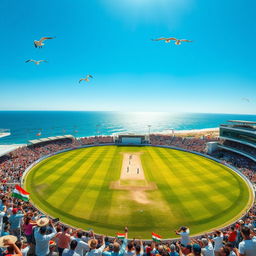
(192,191)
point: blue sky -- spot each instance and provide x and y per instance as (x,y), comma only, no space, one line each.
(110,39)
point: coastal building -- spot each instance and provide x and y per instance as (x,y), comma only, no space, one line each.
(239,137)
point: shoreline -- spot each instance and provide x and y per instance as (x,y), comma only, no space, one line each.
(187,133)
(192,132)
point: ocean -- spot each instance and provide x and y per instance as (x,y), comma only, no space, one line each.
(25,125)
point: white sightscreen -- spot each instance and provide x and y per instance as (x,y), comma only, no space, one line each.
(128,140)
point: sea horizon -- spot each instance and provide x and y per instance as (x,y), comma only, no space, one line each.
(26,125)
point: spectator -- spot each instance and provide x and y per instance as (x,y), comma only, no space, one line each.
(43,239)
(248,246)
(71,251)
(184,233)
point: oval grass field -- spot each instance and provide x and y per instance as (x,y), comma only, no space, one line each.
(179,188)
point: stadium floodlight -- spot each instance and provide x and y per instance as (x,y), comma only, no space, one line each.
(149,126)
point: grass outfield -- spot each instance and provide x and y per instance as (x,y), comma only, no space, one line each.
(191,190)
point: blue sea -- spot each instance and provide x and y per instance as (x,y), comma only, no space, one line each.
(24,125)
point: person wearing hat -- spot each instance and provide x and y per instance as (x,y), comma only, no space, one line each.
(15,221)
(196,250)
(42,239)
(117,249)
(9,242)
(93,244)
(184,233)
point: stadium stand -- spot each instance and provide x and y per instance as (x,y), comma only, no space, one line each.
(37,235)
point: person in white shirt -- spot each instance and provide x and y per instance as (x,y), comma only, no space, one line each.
(42,240)
(82,246)
(248,246)
(207,247)
(2,214)
(218,242)
(184,233)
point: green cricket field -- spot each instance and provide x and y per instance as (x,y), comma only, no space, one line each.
(149,189)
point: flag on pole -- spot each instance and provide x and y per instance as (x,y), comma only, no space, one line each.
(20,193)
(156,237)
(120,236)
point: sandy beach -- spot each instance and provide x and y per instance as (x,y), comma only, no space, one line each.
(213,132)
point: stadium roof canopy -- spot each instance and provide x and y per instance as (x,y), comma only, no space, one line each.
(241,122)
(33,142)
(6,149)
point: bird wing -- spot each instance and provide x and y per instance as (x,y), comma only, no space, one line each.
(159,39)
(35,45)
(81,80)
(30,61)
(89,76)
(45,38)
(171,38)
(185,40)
(42,61)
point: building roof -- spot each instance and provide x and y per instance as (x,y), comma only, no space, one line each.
(241,122)
(5,149)
(37,141)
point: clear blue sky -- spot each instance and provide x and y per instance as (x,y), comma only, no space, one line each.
(110,39)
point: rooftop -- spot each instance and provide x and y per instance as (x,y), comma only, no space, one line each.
(242,122)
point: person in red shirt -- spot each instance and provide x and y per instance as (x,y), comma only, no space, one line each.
(232,235)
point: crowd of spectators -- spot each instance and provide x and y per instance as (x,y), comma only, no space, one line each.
(35,234)
(188,143)
(239,146)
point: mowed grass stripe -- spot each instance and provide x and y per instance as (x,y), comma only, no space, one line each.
(62,177)
(92,185)
(219,212)
(47,172)
(207,207)
(161,177)
(81,186)
(199,175)
(100,211)
(201,162)
(148,166)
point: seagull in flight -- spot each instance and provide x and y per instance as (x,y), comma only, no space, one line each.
(37,62)
(246,99)
(169,39)
(86,79)
(40,43)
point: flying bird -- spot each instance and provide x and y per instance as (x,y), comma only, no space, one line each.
(40,43)
(37,62)
(86,79)
(168,40)
(246,99)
